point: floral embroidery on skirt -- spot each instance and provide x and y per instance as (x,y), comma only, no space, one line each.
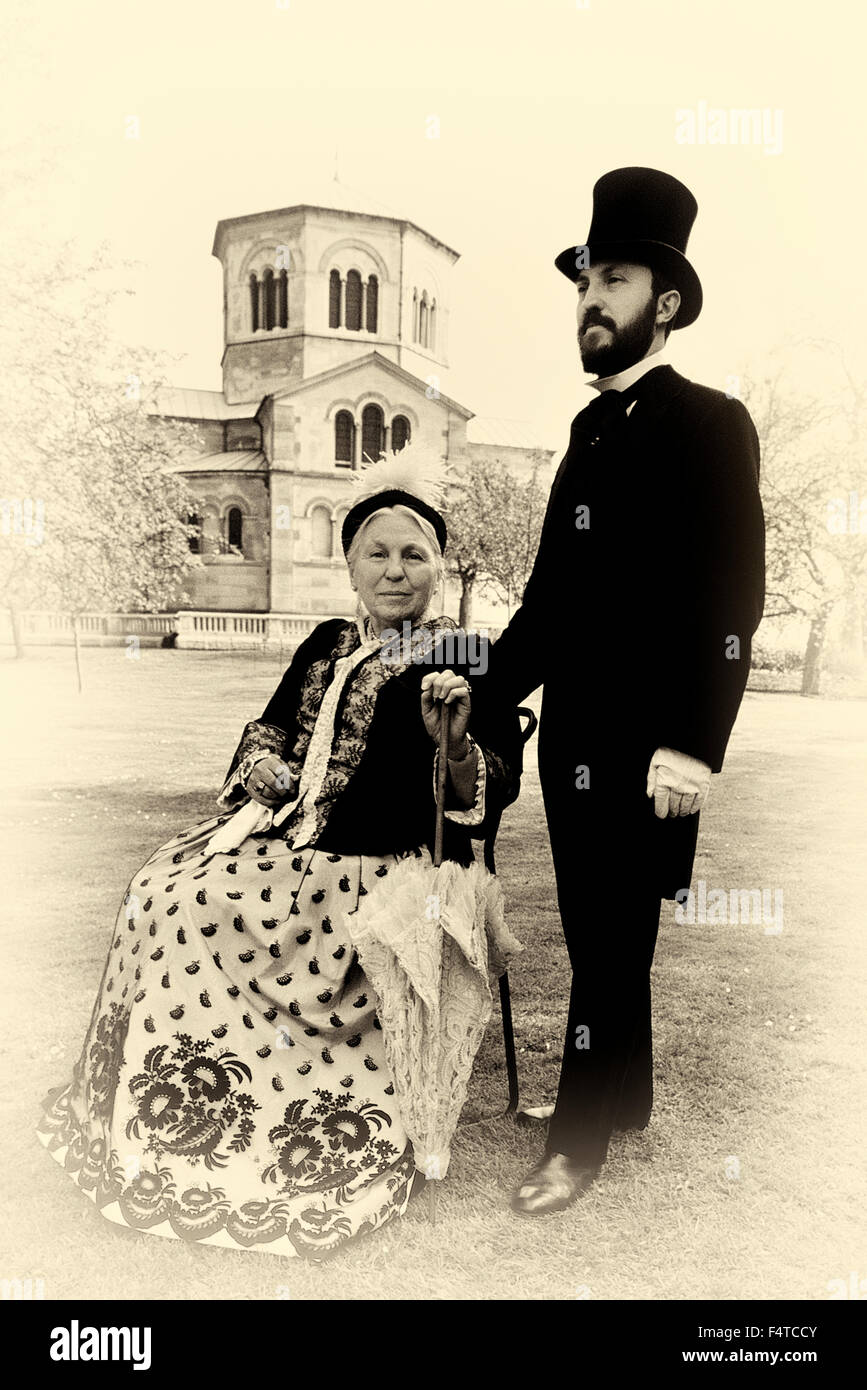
(232,1087)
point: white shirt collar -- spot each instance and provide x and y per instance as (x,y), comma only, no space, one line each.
(630,375)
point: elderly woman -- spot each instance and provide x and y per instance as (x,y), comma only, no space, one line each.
(233,1088)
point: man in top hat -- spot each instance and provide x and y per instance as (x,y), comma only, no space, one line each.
(637,620)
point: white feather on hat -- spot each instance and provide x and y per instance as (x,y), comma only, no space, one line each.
(419,473)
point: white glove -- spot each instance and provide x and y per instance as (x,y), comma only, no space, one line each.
(678,783)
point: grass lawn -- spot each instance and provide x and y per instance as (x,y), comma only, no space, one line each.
(748,1182)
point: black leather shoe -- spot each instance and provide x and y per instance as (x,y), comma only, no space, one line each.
(554,1184)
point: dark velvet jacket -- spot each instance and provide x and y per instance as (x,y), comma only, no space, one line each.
(389,803)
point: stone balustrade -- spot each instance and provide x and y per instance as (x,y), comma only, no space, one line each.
(186,628)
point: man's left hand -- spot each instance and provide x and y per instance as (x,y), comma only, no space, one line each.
(678,783)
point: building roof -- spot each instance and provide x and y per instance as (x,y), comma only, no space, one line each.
(326,196)
(339,197)
(373,358)
(504,432)
(187,403)
(233,461)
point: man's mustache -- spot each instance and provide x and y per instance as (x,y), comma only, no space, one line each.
(596,321)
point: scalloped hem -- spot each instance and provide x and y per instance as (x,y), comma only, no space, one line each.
(281,1245)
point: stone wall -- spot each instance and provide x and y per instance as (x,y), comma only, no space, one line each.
(226,580)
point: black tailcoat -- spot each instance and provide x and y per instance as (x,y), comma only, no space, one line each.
(638,619)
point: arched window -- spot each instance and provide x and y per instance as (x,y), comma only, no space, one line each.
(193,519)
(372,303)
(400,433)
(268,299)
(344,437)
(422,320)
(334,299)
(254,301)
(235,529)
(353,301)
(283,300)
(432,330)
(320,543)
(372,433)
(415,316)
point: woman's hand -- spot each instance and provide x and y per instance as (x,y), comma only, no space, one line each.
(444,687)
(270,782)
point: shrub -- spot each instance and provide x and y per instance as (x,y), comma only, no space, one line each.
(776,658)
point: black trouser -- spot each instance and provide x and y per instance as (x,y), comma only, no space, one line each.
(606,1078)
(608,860)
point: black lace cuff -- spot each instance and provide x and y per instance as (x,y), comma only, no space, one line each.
(257,741)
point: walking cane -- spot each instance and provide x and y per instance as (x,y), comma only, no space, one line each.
(442,773)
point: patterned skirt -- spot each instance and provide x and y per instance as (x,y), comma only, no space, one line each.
(232,1088)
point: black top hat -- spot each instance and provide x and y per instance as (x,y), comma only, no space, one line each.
(646,216)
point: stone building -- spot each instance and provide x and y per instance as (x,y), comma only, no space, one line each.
(336,329)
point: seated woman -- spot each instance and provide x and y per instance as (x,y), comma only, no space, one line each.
(232,1087)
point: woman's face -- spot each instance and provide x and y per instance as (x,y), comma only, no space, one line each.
(395,571)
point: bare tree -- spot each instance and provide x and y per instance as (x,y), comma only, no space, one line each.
(812,469)
(516,536)
(92,516)
(494,521)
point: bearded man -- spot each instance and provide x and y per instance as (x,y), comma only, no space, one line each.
(637,621)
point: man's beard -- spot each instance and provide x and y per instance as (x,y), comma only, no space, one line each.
(628,344)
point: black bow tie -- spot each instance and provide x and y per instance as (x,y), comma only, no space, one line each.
(610,409)
(609,402)
(600,415)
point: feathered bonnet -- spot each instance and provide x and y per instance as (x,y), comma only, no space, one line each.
(403,479)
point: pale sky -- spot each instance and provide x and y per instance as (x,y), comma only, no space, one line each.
(241,104)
